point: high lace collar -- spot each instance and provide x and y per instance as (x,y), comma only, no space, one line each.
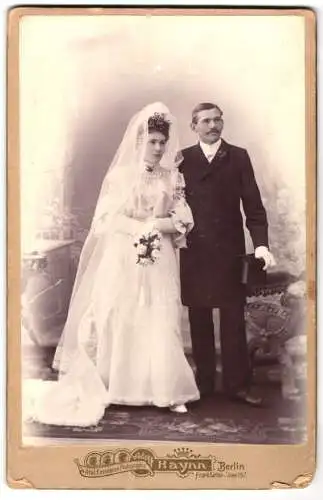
(151,167)
(154,171)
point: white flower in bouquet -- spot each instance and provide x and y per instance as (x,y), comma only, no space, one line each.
(148,247)
(155,233)
(146,261)
(155,245)
(141,249)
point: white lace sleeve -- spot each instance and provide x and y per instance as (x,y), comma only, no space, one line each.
(181,213)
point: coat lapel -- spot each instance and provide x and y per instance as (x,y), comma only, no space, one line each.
(221,154)
(199,163)
(204,167)
(201,168)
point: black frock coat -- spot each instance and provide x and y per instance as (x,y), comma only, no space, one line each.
(210,266)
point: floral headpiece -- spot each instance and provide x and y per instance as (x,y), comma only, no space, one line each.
(158,123)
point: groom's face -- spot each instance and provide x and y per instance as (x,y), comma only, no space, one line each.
(208,125)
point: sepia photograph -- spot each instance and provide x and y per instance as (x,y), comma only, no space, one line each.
(164,246)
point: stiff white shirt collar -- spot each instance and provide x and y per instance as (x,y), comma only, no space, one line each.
(210,150)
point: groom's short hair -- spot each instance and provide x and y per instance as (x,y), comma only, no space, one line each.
(203,106)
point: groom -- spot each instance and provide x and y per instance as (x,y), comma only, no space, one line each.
(218,177)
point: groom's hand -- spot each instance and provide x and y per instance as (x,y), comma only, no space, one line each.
(262,252)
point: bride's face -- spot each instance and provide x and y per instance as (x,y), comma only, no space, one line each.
(155,148)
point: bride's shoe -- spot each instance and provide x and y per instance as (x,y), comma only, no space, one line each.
(178,408)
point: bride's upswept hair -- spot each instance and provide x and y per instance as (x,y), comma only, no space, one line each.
(155,123)
(158,123)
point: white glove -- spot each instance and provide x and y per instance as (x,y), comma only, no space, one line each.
(262,252)
(127,225)
(119,223)
(123,224)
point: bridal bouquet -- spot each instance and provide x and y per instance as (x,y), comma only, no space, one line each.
(148,247)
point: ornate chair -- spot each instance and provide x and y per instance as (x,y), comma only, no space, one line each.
(275,313)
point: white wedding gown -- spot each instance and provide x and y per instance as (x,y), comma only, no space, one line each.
(131,352)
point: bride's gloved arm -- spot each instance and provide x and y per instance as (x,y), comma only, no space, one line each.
(181,214)
(118,223)
(128,225)
(165,225)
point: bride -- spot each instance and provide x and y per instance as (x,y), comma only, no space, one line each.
(122,339)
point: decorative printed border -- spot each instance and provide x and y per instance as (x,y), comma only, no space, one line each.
(143,462)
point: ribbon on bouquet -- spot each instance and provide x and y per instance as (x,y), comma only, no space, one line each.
(144,288)
(145,295)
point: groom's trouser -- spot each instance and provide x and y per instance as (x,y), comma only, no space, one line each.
(234,353)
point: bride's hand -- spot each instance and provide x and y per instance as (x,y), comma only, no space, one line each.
(154,224)
(151,224)
(165,225)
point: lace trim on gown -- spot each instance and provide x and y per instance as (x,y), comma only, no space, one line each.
(181,214)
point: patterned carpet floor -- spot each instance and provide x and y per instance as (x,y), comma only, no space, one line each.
(215,420)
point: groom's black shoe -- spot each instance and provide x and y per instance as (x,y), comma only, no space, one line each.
(246,397)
